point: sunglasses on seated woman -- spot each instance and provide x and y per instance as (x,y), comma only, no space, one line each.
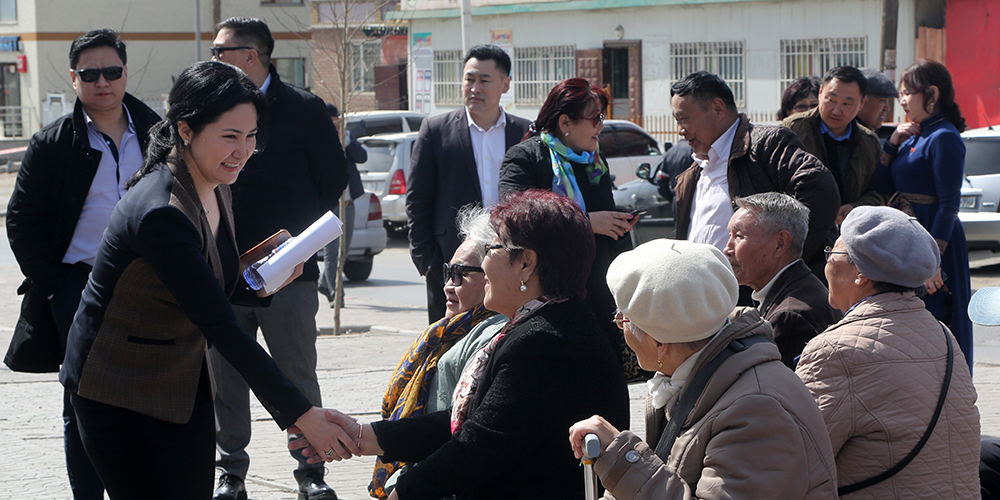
(455,272)
(110,73)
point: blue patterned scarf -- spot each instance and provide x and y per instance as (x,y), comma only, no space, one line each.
(563,178)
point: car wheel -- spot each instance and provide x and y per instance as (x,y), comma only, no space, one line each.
(358,270)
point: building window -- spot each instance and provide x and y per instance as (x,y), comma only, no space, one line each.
(291,70)
(8,10)
(725,59)
(448,77)
(365,55)
(816,56)
(538,69)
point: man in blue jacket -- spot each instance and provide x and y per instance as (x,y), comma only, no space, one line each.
(299,175)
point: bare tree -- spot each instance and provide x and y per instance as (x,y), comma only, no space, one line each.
(338,27)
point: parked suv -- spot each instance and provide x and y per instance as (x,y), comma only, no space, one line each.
(626,146)
(366,123)
(386,174)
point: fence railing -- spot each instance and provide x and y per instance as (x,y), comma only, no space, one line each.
(17,122)
(663,127)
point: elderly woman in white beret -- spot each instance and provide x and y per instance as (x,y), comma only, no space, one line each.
(724,418)
(889,379)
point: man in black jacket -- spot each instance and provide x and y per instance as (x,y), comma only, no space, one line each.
(299,176)
(766,235)
(456,162)
(73,174)
(355,154)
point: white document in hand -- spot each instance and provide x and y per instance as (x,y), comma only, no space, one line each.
(272,271)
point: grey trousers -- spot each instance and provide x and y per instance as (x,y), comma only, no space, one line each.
(289,328)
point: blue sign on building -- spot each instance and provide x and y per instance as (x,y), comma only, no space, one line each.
(10,43)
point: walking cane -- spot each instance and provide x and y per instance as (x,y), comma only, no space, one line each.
(591,450)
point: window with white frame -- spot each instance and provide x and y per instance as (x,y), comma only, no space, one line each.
(8,10)
(816,56)
(726,59)
(365,55)
(448,77)
(538,69)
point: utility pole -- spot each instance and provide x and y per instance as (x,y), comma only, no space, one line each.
(466,25)
(197,30)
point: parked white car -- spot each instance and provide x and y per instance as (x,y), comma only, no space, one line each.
(386,173)
(981,193)
(626,146)
(368,240)
(365,123)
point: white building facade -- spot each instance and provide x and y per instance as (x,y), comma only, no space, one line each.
(160,38)
(641,47)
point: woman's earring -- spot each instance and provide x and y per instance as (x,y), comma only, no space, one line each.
(658,363)
(567,134)
(857,281)
(524,288)
(930,108)
(187,142)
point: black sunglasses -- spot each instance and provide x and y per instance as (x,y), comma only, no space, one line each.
(455,272)
(217,51)
(110,73)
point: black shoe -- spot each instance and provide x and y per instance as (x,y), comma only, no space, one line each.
(230,488)
(312,486)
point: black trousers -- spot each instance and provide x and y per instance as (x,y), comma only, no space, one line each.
(83,479)
(437,304)
(141,457)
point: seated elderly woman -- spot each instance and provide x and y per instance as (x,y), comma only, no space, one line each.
(550,366)
(725,418)
(890,380)
(424,379)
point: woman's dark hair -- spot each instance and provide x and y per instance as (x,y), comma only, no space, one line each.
(559,233)
(202,93)
(797,90)
(569,97)
(924,73)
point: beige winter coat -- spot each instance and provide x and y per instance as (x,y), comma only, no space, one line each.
(876,376)
(754,433)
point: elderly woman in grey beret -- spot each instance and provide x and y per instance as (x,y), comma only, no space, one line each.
(889,379)
(751,428)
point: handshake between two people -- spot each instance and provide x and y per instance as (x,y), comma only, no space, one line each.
(330,435)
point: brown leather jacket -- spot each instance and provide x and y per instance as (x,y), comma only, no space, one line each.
(755,432)
(765,159)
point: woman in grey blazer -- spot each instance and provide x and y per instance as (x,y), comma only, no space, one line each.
(160,292)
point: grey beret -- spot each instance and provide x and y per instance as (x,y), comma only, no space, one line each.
(879,84)
(889,246)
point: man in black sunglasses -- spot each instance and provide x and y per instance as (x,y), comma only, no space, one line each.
(73,174)
(298,176)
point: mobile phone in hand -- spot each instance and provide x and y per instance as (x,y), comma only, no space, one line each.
(635,216)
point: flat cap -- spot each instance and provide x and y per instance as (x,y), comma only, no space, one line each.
(878,84)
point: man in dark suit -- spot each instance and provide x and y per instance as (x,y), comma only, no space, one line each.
(456,162)
(766,235)
(73,175)
(299,176)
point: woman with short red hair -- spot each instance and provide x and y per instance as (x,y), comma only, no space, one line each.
(560,153)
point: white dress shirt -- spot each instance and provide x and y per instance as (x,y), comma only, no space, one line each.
(107,188)
(489,148)
(711,207)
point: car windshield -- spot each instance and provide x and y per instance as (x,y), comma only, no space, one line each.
(982,155)
(380,156)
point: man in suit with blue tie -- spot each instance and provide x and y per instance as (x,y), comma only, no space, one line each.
(456,162)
